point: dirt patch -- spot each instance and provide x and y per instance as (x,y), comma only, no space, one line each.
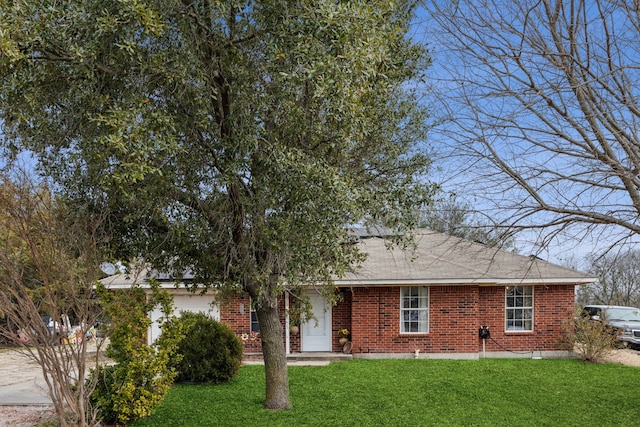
(24,416)
(625,357)
(16,367)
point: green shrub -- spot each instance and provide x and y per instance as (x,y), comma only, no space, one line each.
(210,350)
(142,375)
(102,396)
(592,340)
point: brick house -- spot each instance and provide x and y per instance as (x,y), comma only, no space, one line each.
(428,303)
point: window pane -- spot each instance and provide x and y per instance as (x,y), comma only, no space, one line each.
(519,308)
(414,310)
(255,327)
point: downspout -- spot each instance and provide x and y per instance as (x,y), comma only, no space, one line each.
(286,323)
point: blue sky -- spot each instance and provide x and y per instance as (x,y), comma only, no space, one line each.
(475,182)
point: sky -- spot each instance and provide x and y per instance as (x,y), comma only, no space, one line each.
(481,187)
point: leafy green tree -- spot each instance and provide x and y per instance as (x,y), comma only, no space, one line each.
(235,139)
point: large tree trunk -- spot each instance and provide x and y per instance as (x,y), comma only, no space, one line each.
(275,358)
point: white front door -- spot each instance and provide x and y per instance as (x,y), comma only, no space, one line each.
(316,333)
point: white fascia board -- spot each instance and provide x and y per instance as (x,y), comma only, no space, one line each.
(127,283)
(462,282)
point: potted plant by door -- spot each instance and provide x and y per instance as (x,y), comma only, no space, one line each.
(344,336)
(295,327)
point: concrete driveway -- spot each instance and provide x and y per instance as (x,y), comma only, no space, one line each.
(21,380)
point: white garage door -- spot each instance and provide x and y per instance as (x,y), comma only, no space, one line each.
(194,303)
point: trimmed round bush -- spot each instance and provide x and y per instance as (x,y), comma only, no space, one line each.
(211,351)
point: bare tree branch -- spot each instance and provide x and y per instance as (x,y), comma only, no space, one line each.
(542,97)
(48,267)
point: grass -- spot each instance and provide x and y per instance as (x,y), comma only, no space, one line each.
(488,392)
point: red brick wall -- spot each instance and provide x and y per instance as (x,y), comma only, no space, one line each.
(372,316)
(456,313)
(236,313)
(452,321)
(341,317)
(553,306)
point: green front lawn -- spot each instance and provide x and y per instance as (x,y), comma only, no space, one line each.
(508,392)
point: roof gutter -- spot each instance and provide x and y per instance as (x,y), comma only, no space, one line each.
(462,282)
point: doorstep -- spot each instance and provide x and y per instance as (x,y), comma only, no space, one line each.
(307,358)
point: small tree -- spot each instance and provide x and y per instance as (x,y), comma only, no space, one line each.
(48,265)
(142,374)
(591,339)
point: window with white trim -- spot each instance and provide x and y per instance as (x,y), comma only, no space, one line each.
(519,308)
(255,327)
(414,310)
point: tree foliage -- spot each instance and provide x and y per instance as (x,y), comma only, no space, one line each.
(235,139)
(541,102)
(618,280)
